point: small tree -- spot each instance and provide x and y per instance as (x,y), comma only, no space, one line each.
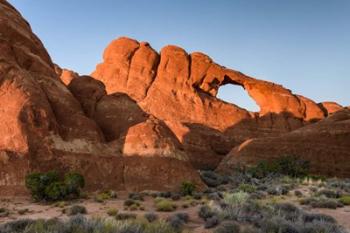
(187,188)
(48,186)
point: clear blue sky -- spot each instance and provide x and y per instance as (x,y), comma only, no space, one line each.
(302,44)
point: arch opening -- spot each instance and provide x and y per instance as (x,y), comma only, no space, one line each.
(235,94)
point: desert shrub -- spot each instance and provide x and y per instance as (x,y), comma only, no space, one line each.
(185,205)
(262,169)
(211,179)
(165,205)
(49,187)
(288,211)
(227,227)
(130,202)
(135,206)
(248,188)
(216,196)
(56,191)
(132,205)
(125,216)
(278,190)
(105,195)
(4,212)
(321,227)
(285,165)
(15,226)
(298,193)
(310,217)
(328,193)
(197,196)
(22,211)
(183,216)
(160,227)
(236,198)
(321,202)
(151,217)
(165,194)
(258,195)
(136,196)
(177,222)
(38,182)
(277,225)
(175,196)
(206,212)
(112,211)
(211,222)
(74,183)
(345,199)
(101,197)
(247,212)
(75,209)
(342,184)
(187,188)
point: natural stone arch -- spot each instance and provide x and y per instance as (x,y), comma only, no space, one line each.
(236,94)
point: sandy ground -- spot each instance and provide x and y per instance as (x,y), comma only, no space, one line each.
(17,205)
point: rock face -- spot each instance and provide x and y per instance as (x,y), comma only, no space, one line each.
(330,107)
(181,88)
(326,144)
(45,125)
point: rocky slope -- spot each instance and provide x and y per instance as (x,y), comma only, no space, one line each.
(326,144)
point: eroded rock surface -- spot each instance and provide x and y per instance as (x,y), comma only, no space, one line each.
(326,144)
(181,88)
(45,125)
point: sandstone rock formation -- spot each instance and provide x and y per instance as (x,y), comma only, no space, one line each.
(326,144)
(65,75)
(181,88)
(330,107)
(44,126)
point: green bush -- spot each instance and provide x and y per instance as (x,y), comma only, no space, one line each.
(151,217)
(74,210)
(112,211)
(165,205)
(228,227)
(345,200)
(55,191)
(187,188)
(286,165)
(38,182)
(321,202)
(248,188)
(125,216)
(74,182)
(48,186)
